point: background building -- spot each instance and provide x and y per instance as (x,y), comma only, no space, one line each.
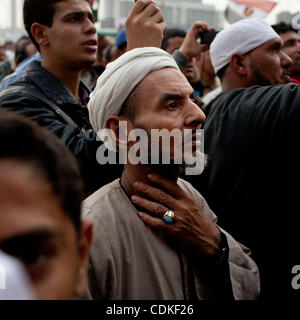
(11,21)
(112,14)
(178,13)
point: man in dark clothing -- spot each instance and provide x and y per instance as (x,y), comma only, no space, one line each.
(251,134)
(51,92)
(40,96)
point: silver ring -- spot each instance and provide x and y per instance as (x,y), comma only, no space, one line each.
(169,216)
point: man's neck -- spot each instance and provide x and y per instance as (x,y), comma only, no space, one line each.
(70,78)
(134,173)
(230,83)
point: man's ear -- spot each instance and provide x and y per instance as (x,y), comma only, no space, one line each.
(116,124)
(39,33)
(239,63)
(84,248)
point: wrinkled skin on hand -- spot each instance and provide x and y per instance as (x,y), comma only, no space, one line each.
(191,227)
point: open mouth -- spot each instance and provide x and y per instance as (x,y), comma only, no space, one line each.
(91,45)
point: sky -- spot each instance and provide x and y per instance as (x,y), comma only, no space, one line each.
(283,5)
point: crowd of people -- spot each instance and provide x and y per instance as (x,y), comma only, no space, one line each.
(82,227)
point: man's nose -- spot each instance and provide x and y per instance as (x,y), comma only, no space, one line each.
(90,27)
(195,117)
(285,60)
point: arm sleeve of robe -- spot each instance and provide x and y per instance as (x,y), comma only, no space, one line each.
(244,274)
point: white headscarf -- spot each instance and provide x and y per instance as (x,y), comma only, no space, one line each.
(120,78)
(241,37)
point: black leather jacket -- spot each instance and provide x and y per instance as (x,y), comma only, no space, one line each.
(41,97)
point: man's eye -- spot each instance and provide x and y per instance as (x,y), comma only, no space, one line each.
(73,19)
(172,105)
(32,257)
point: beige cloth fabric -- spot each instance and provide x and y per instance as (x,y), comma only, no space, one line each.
(130,260)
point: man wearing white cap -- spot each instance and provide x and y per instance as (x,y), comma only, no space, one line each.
(251,133)
(248,53)
(155,236)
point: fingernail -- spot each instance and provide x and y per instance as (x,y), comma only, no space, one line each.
(135,198)
(138,184)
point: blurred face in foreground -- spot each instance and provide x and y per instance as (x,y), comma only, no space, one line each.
(35,229)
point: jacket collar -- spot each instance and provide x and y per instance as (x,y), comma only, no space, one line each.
(51,86)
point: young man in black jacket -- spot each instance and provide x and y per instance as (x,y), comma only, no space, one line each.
(51,92)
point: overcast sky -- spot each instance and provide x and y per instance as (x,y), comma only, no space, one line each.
(283,5)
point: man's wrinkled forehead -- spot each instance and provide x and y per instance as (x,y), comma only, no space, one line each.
(162,74)
(165,80)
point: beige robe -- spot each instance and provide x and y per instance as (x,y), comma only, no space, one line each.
(131,260)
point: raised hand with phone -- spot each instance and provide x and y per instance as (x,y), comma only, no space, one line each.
(191,46)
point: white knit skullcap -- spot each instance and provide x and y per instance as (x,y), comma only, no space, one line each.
(120,78)
(241,37)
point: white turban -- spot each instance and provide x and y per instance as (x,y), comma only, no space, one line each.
(241,37)
(120,78)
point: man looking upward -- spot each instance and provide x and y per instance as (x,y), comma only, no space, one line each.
(155,236)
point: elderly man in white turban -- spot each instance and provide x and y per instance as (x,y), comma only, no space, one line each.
(251,132)
(154,235)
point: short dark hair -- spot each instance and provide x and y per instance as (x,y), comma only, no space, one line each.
(21,54)
(283,27)
(24,141)
(172,33)
(41,11)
